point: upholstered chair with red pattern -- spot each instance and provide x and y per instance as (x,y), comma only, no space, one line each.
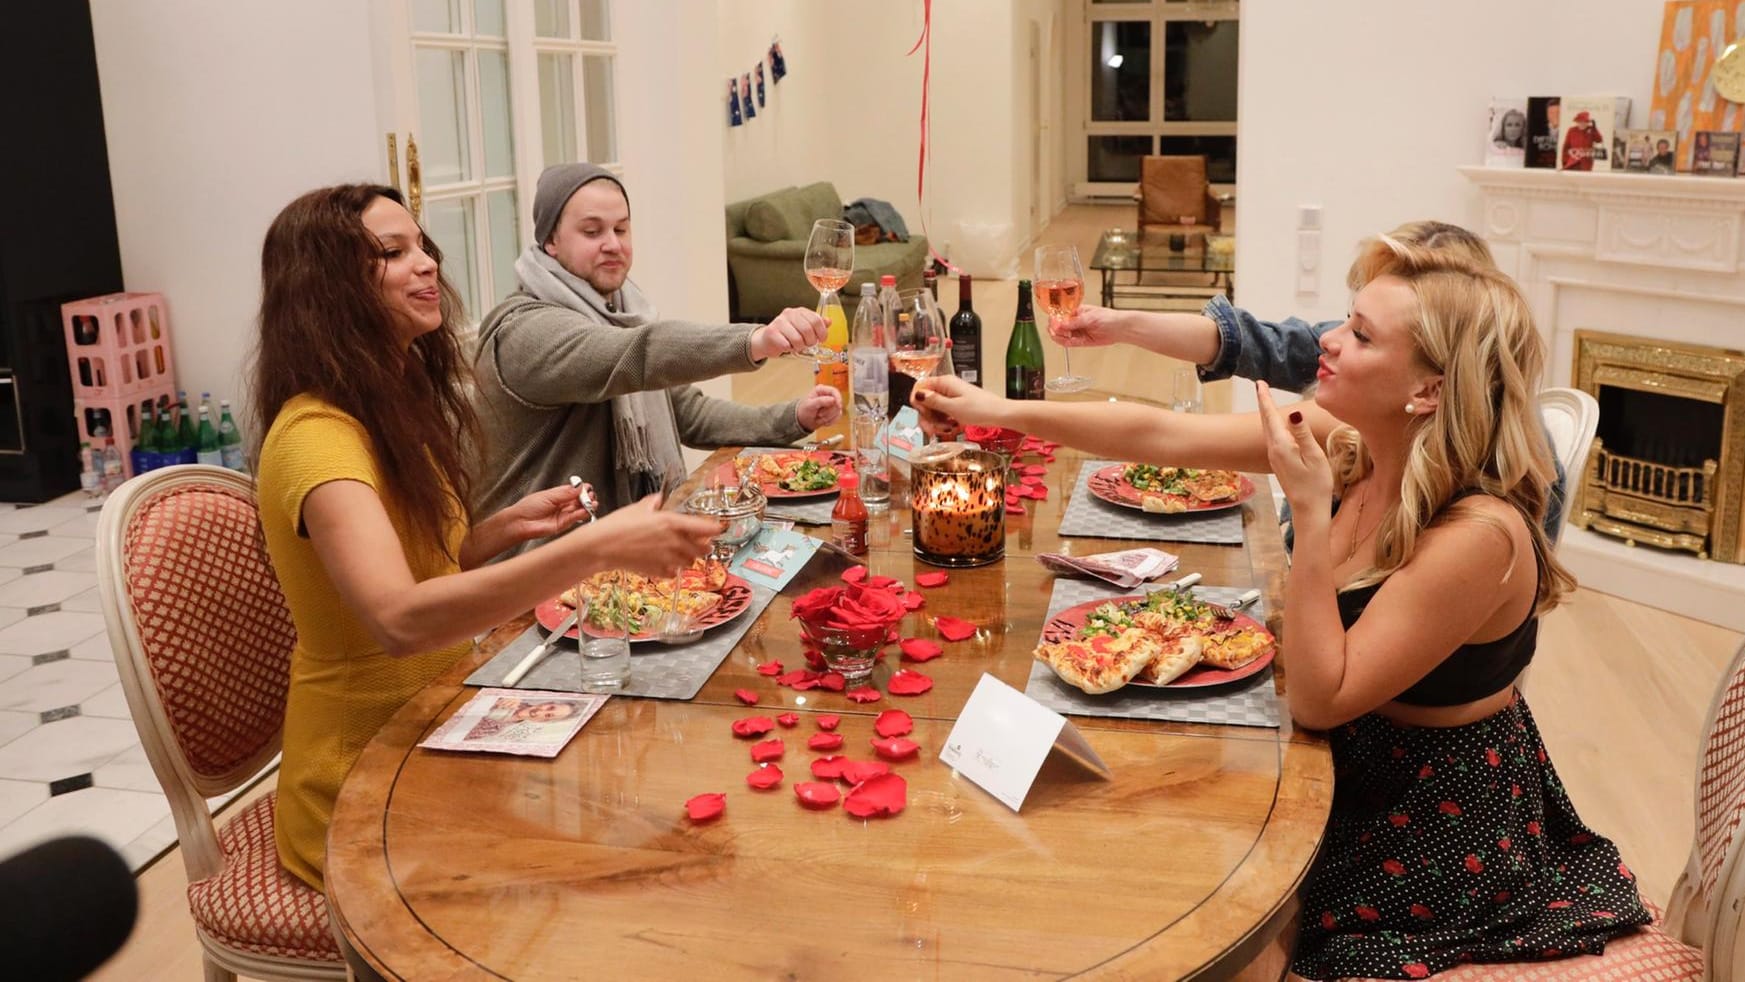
(1698,936)
(202,639)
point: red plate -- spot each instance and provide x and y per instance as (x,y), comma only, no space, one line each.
(1108,484)
(835,458)
(735,598)
(1066,625)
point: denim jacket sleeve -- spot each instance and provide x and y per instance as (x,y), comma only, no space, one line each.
(1282,354)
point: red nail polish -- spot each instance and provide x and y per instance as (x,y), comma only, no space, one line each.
(1296,417)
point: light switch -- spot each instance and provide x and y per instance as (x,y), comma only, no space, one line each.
(1308,262)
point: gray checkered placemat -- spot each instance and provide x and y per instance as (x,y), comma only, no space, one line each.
(1252,701)
(657,671)
(1087,514)
(806,511)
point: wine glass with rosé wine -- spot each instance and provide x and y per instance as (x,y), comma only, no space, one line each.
(829,264)
(1060,288)
(917,342)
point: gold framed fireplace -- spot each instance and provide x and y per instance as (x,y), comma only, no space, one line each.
(1668,462)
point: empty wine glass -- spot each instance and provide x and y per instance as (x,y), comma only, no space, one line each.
(917,341)
(1060,286)
(829,264)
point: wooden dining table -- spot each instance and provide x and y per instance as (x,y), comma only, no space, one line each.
(1182,863)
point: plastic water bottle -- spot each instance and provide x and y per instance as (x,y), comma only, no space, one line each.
(112,472)
(868,357)
(230,439)
(90,481)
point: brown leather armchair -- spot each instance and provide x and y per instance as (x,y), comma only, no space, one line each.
(1174,197)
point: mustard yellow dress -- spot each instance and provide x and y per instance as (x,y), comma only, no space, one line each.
(343,685)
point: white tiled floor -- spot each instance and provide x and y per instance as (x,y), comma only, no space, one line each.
(64,723)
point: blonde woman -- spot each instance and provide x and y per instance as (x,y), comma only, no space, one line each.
(1451,837)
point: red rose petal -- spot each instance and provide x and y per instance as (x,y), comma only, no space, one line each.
(1050,446)
(816,794)
(746,696)
(764,778)
(766,751)
(884,583)
(825,741)
(789,720)
(861,771)
(876,797)
(913,601)
(1014,508)
(865,693)
(920,649)
(932,579)
(790,678)
(753,726)
(1035,478)
(815,658)
(832,681)
(953,629)
(854,574)
(908,682)
(829,768)
(1012,499)
(1034,470)
(829,721)
(1039,492)
(895,748)
(808,683)
(705,806)
(893,723)
(1048,457)
(770,668)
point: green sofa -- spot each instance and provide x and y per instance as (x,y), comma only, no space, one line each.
(766,249)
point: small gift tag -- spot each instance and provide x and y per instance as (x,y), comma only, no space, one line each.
(904,432)
(1002,737)
(773,557)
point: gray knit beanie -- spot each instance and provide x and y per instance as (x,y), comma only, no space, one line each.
(556,184)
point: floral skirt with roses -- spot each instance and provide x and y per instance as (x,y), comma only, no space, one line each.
(1455,844)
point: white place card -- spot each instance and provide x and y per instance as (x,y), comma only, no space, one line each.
(903,432)
(1002,737)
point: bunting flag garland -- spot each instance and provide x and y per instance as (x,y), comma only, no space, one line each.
(778,66)
(745,96)
(733,118)
(758,71)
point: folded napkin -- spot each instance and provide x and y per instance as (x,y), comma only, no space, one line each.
(1126,568)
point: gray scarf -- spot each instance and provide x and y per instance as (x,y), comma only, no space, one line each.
(647,447)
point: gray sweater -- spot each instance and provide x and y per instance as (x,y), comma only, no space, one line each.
(546,376)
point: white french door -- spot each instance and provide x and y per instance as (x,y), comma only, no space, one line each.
(482,95)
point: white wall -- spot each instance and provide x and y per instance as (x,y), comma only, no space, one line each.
(849,112)
(218,113)
(1367,109)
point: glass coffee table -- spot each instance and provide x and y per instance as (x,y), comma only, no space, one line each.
(1122,251)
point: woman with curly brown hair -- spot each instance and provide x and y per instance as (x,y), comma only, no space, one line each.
(360,388)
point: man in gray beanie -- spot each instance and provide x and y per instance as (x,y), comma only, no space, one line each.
(577,373)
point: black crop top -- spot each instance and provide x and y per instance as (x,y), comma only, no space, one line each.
(1472,671)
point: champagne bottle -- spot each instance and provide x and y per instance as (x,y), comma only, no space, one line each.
(1024,372)
(966,336)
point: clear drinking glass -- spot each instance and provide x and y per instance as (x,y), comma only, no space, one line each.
(1060,288)
(829,264)
(1185,389)
(605,644)
(870,462)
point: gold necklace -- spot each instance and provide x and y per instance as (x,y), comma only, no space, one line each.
(1357,524)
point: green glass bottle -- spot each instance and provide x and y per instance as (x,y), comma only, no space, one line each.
(185,436)
(208,452)
(1024,372)
(168,449)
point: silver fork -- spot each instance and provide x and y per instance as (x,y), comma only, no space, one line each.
(1224,613)
(584,496)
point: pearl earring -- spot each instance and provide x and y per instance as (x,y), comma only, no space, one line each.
(1410,409)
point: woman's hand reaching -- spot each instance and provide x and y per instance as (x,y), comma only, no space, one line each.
(948,403)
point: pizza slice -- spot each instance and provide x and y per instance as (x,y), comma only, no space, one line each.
(1236,647)
(1209,486)
(1100,664)
(1162,504)
(1174,656)
(708,575)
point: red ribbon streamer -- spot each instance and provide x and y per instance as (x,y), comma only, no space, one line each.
(924,44)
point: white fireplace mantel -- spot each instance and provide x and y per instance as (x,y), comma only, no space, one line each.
(1656,256)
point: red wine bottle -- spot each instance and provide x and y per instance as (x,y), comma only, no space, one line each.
(966,336)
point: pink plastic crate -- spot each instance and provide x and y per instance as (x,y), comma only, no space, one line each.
(121,416)
(118,346)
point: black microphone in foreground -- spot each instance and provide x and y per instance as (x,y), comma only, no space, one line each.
(65,907)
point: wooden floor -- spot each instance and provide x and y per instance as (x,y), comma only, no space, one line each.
(1620,690)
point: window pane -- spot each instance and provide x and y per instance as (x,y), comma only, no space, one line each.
(505,242)
(1199,70)
(1116,158)
(557,108)
(596,20)
(597,90)
(488,18)
(450,223)
(436,16)
(1120,70)
(1220,154)
(551,18)
(494,108)
(442,116)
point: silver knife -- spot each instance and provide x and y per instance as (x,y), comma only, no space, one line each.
(526,664)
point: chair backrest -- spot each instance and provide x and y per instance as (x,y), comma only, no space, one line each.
(201,636)
(1172,188)
(1717,873)
(1571,417)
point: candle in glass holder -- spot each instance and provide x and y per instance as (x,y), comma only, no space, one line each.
(957,497)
